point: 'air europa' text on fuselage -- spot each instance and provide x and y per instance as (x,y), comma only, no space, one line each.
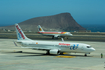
(64,44)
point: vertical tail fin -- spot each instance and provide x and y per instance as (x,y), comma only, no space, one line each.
(40,29)
(20,34)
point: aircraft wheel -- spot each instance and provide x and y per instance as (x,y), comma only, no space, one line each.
(61,53)
(48,52)
(52,37)
(19,51)
(85,54)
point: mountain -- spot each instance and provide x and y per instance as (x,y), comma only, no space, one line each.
(59,22)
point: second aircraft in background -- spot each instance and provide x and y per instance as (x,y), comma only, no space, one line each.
(53,34)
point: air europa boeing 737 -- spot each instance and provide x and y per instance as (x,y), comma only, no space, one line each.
(53,34)
(51,47)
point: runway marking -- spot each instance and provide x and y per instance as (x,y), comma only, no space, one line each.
(66,56)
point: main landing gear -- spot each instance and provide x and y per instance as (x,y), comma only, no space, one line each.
(48,52)
(52,37)
(85,55)
(55,37)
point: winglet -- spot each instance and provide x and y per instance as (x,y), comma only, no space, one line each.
(15,43)
(62,39)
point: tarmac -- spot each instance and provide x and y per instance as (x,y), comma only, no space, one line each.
(11,58)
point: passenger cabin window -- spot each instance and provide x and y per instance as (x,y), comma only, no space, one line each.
(88,46)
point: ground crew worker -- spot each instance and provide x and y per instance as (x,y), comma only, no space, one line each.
(101,55)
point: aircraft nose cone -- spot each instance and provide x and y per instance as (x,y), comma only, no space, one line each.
(93,49)
(71,34)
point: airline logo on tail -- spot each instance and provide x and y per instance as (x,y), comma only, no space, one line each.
(20,32)
(40,29)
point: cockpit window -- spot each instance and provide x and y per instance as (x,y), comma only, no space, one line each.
(88,46)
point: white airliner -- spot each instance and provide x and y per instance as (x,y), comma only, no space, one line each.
(51,47)
(53,34)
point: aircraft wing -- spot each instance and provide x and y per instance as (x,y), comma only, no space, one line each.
(42,48)
(37,48)
(56,35)
(51,34)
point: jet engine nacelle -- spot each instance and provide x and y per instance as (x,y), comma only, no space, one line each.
(54,51)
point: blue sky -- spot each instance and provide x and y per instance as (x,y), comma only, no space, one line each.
(83,11)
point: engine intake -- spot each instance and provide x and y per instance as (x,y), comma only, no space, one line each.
(54,51)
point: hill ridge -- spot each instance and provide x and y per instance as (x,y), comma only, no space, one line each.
(58,22)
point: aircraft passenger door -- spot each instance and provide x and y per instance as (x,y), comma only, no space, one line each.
(82,48)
